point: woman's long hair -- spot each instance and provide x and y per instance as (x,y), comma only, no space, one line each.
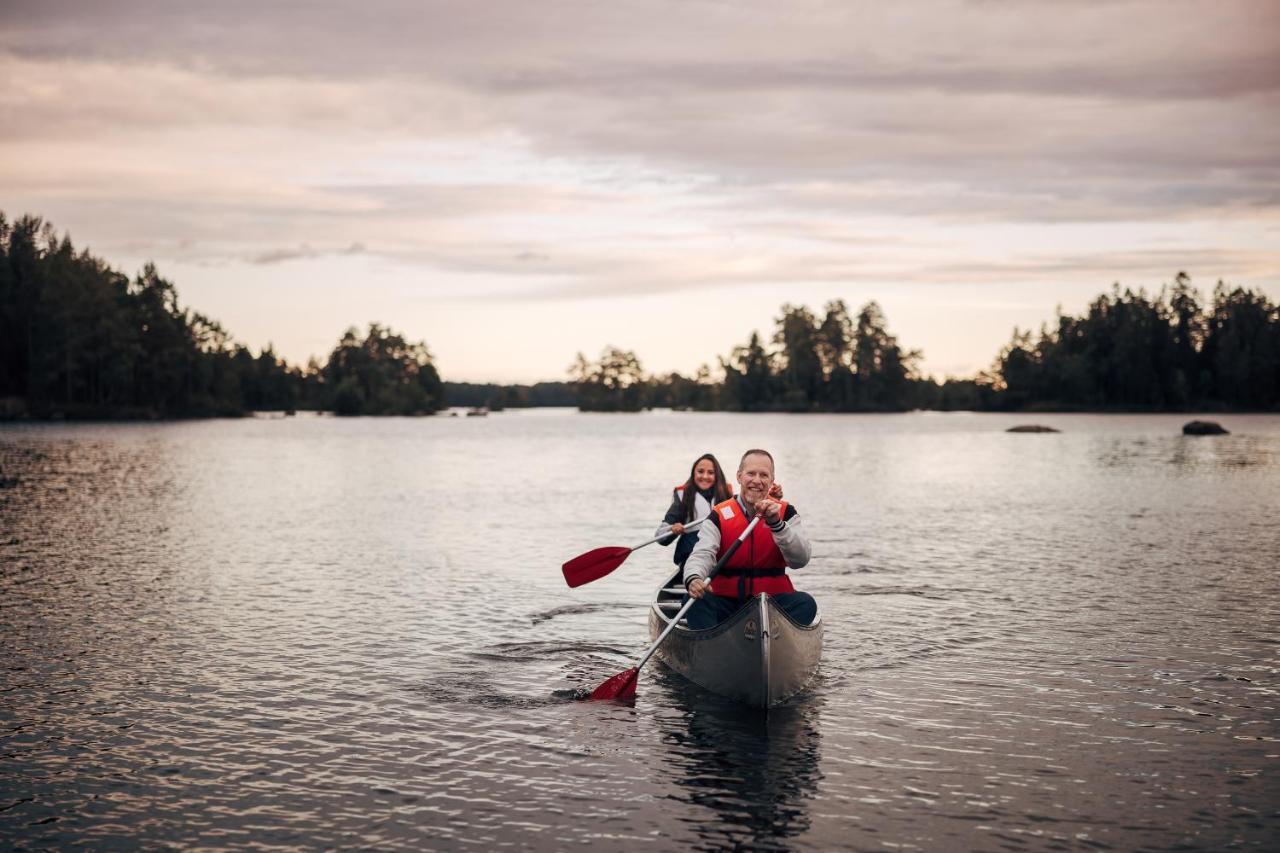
(721,488)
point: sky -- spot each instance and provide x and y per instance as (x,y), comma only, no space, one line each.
(516,182)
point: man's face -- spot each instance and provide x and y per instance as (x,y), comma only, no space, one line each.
(755,477)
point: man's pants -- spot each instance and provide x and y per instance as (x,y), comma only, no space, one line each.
(711,610)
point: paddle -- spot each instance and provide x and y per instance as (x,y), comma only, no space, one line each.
(594,565)
(622,687)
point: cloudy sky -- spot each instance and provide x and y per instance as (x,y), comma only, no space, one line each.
(515,182)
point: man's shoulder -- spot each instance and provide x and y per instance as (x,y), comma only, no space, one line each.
(790,513)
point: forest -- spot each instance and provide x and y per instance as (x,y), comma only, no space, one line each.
(1130,351)
(79,339)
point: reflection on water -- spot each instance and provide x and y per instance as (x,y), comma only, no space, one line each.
(1186,452)
(754,773)
(354,633)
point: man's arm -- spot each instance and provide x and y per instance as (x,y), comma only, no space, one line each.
(704,550)
(791,540)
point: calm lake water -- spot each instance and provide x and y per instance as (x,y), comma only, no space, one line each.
(314,632)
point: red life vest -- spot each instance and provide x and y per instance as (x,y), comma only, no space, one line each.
(757,566)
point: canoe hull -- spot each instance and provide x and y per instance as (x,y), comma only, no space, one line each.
(758,656)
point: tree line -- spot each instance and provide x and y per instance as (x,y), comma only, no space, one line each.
(1129,351)
(839,362)
(495,397)
(1149,352)
(80,339)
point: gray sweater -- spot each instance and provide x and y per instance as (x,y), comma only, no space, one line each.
(787,534)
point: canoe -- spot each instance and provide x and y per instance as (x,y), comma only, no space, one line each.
(758,656)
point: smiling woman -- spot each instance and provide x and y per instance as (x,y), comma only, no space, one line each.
(692,502)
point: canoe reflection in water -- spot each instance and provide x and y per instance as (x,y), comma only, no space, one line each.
(755,770)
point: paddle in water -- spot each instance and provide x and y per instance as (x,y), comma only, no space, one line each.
(622,687)
(595,564)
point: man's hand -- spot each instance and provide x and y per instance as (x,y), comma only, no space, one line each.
(770,508)
(698,587)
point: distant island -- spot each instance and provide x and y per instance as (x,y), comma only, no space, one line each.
(79,339)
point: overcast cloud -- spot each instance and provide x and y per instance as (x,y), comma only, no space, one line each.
(587,152)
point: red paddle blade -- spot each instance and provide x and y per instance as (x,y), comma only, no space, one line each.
(620,688)
(593,565)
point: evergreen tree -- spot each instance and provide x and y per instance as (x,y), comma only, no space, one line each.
(1189,377)
(616,383)
(800,369)
(1242,348)
(748,378)
(383,374)
(835,351)
(882,371)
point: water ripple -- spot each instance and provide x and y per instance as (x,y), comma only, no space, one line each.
(276,634)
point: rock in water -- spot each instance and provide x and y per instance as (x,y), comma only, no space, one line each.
(1203,428)
(1032,428)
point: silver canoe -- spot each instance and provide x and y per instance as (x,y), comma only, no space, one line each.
(758,655)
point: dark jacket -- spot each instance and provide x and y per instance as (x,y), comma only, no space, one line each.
(675,513)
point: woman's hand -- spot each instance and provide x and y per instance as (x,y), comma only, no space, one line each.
(698,587)
(677,528)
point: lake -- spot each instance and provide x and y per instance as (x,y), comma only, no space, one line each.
(320,632)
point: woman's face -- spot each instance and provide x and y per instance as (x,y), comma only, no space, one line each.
(704,474)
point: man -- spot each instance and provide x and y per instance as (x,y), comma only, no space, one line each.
(760,563)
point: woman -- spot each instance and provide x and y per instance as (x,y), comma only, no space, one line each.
(705,488)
